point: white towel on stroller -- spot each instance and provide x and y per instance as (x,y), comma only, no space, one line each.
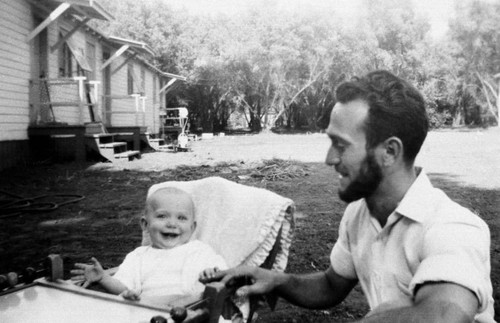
(240,222)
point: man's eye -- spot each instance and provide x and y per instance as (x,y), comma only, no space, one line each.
(338,145)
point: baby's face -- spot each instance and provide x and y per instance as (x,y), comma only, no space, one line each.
(170,219)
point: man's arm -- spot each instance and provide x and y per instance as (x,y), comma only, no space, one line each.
(317,290)
(434,302)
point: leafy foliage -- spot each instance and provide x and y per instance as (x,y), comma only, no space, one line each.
(279,68)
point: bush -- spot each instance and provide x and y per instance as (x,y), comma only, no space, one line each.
(438,117)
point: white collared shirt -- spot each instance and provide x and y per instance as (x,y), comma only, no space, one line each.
(428,238)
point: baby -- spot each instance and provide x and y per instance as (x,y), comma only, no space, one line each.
(168,269)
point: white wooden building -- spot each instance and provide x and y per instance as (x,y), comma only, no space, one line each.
(59,78)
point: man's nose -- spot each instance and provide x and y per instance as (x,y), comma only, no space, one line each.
(332,157)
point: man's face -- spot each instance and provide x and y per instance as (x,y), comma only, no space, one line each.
(359,172)
(365,183)
(169,220)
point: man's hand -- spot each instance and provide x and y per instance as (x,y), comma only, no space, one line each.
(316,290)
(208,274)
(88,273)
(254,280)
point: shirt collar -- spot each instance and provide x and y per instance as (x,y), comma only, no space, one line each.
(417,202)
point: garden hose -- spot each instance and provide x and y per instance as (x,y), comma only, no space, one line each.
(18,204)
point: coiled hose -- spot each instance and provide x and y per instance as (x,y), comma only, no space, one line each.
(16,204)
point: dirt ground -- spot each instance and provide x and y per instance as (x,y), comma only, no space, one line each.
(465,164)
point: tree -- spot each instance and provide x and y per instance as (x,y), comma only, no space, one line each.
(274,65)
(475,33)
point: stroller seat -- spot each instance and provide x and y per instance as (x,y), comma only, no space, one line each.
(245,225)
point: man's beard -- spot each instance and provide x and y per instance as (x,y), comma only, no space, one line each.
(367,181)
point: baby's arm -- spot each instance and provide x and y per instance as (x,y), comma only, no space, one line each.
(94,273)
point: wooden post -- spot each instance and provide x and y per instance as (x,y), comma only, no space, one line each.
(81,96)
(136,96)
(97,103)
(497,76)
(143,101)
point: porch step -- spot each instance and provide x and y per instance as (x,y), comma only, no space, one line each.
(101,138)
(165,148)
(112,145)
(154,143)
(105,146)
(131,154)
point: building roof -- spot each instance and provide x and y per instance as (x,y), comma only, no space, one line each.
(82,8)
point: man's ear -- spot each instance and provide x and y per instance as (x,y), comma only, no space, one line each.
(393,151)
(144,223)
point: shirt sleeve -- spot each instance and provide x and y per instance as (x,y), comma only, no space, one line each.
(456,253)
(127,271)
(341,257)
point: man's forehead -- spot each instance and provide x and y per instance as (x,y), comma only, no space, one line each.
(347,118)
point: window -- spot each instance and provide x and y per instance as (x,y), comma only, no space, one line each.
(72,60)
(65,60)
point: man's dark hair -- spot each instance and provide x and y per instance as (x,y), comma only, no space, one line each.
(396,108)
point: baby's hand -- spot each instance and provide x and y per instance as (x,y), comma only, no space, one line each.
(208,274)
(88,273)
(131,295)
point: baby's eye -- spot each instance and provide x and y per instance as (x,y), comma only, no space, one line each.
(182,217)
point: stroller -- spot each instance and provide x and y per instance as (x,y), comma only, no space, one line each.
(243,224)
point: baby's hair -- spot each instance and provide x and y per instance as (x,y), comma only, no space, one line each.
(170,191)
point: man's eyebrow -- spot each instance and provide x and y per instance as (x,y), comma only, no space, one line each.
(338,138)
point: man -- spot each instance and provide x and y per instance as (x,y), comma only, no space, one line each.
(418,256)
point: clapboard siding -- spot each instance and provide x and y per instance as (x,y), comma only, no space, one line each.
(10,131)
(17,8)
(151,102)
(12,47)
(119,88)
(15,24)
(11,69)
(19,64)
(13,118)
(9,106)
(17,98)
(11,23)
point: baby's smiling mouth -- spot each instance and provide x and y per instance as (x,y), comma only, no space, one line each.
(170,235)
